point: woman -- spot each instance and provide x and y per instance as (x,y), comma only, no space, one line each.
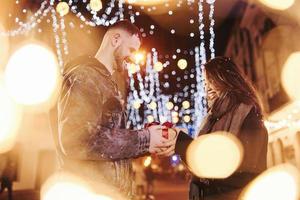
(233,107)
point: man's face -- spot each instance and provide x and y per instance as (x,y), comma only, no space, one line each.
(124,52)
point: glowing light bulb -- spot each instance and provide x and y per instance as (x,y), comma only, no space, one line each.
(62,8)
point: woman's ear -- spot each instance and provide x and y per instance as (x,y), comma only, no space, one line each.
(116,40)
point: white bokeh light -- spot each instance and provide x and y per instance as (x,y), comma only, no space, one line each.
(290,76)
(276,183)
(4,47)
(278,4)
(62,186)
(203,155)
(10,118)
(32,75)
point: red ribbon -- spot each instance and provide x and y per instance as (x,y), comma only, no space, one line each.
(165,132)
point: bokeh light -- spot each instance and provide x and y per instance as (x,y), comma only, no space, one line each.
(186,104)
(10,119)
(203,155)
(278,4)
(147,161)
(132,68)
(150,118)
(4,44)
(169,105)
(146,2)
(62,186)
(158,66)
(62,8)
(187,118)
(175,119)
(138,57)
(152,105)
(182,64)
(96,5)
(277,183)
(136,104)
(32,76)
(290,76)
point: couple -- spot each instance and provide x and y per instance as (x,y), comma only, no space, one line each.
(93,142)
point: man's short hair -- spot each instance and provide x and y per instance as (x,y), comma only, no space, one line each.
(127,26)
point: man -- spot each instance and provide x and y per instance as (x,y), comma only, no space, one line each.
(92,140)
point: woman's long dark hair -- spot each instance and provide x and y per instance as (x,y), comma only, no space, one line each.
(231,83)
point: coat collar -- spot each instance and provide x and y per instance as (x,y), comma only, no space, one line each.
(87,60)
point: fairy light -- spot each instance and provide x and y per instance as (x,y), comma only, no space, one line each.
(57,38)
(121,9)
(95,5)
(64,36)
(200,96)
(148,87)
(32,23)
(131,13)
(62,8)
(211,27)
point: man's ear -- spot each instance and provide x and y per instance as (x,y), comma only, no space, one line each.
(116,39)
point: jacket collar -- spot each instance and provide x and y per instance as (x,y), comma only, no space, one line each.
(87,60)
(98,65)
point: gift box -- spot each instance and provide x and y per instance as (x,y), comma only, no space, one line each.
(168,132)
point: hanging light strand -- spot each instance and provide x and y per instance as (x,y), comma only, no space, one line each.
(211,30)
(55,27)
(32,23)
(64,35)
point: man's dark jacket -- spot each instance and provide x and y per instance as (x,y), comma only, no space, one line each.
(92,140)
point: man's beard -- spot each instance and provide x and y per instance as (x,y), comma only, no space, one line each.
(120,63)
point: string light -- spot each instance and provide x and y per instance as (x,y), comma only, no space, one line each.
(148,87)
(64,35)
(96,5)
(57,38)
(62,8)
(182,64)
(33,21)
(211,27)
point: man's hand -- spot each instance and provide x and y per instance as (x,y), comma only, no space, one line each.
(169,147)
(157,140)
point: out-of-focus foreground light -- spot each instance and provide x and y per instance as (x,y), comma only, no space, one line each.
(62,186)
(32,75)
(277,183)
(4,47)
(290,76)
(146,3)
(10,118)
(278,4)
(203,155)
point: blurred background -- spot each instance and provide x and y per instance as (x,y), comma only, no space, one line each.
(37,37)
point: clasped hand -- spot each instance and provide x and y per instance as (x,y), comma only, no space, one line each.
(160,145)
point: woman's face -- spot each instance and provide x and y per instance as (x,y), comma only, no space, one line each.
(211,89)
